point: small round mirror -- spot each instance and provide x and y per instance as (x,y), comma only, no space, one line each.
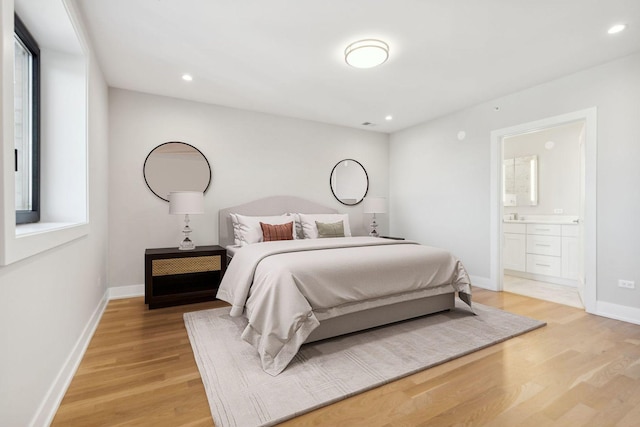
(176,166)
(349,182)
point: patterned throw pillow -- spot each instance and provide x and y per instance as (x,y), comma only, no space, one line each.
(335,229)
(271,232)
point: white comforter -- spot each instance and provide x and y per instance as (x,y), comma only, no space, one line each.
(285,288)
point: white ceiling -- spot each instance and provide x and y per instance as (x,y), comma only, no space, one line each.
(285,57)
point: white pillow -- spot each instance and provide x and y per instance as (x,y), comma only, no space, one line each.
(247,230)
(310,230)
(236,230)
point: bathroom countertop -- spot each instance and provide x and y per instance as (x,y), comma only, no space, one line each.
(541,221)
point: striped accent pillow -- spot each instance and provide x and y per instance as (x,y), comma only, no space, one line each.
(271,232)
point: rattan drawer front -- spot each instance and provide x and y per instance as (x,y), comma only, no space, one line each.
(196,264)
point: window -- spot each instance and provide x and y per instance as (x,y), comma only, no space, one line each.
(55,126)
(26,101)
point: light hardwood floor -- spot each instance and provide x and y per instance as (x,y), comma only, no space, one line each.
(579,370)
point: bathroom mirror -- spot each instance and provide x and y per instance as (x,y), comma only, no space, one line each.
(349,182)
(520,181)
(176,166)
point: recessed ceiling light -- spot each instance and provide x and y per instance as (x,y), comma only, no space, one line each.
(187,77)
(616,28)
(389,117)
(366,53)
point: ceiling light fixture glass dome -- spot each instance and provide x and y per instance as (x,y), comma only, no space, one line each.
(366,53)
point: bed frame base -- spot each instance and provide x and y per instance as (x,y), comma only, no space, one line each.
(371,318)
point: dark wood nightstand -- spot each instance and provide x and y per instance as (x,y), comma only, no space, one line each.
(175,277)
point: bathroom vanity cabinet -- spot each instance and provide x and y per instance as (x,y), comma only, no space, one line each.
(514,247)
(544,251)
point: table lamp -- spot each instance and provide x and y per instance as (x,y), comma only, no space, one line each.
(374,205)
(187,203)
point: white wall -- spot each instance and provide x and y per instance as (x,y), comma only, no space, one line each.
(47,300)
(252,155)
(440,187)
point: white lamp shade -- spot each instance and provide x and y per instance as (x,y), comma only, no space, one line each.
(375,205)
(186,202)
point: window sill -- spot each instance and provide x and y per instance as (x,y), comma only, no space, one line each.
(23,230)
(33,239)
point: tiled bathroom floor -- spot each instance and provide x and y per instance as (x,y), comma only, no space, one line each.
(546,291)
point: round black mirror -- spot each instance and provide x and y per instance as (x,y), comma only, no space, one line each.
(176,166)
(349,182)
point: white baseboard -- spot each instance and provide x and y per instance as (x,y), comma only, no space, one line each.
(49,406)
(483,282)
(120,292)
(618,312)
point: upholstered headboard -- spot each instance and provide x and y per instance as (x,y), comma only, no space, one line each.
(275,205)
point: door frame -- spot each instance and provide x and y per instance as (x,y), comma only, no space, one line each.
(589,116)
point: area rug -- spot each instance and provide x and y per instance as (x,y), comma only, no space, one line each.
(241,394)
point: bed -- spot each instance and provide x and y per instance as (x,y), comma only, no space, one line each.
(302,290)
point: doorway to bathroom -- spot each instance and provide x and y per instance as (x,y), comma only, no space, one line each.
(541,247)
(543,209)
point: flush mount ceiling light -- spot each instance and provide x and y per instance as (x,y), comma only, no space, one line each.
(616,28)
(366,53)
(187,77)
